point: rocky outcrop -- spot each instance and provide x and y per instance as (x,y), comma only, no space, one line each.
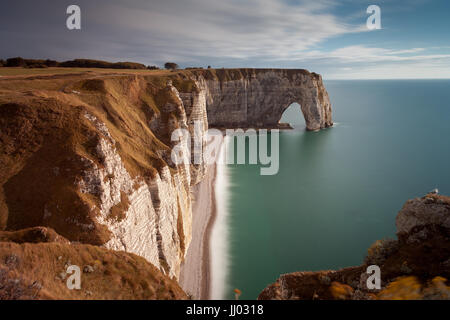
(421,214)
(414,266)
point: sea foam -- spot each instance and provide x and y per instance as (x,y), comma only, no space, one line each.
(220,257)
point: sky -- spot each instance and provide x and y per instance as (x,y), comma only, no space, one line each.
(324,36)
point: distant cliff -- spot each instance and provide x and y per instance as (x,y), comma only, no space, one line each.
(258,97)
(89,155)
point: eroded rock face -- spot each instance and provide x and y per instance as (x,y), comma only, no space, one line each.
(156,223)
(194,103)
(258,97)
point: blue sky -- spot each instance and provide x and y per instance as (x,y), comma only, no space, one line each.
(328,37)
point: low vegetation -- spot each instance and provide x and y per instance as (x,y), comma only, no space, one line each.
(86,63)
(77,63)
(38,271)
(171,66)
(411,288)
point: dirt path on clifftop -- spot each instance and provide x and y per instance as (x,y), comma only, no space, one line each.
(195,275)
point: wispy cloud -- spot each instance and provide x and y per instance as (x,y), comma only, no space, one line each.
(226,29)
(380,63)
(360,53)
(325,36)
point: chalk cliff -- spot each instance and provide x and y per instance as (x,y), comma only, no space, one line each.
(89,155)
(258,97)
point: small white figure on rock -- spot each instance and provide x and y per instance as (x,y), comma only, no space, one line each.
(434,191)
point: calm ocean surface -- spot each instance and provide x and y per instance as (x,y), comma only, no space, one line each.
(338,190)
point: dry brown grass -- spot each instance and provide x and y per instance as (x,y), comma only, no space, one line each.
(39,271)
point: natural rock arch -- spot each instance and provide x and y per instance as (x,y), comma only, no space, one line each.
(258,97)
(292,115)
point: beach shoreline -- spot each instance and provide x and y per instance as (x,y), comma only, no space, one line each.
(195,274)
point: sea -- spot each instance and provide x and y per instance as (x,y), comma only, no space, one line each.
(337,190)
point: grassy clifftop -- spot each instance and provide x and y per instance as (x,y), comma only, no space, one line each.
(38,271)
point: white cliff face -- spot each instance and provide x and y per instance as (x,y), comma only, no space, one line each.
(197,121)
(136,232)
(157,219)
(157,223)
(164,189)
(258,98)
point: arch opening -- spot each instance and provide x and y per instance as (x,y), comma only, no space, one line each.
(292,117)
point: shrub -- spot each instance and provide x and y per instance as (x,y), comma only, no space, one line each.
(152,68)
(341,291)
(170,66)
(30,63)
(36,66)
(88,63)
(77,63)
(51,63)
(15,62)
(403,288)
(127,65)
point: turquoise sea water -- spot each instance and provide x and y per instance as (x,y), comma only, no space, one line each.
(338,190)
